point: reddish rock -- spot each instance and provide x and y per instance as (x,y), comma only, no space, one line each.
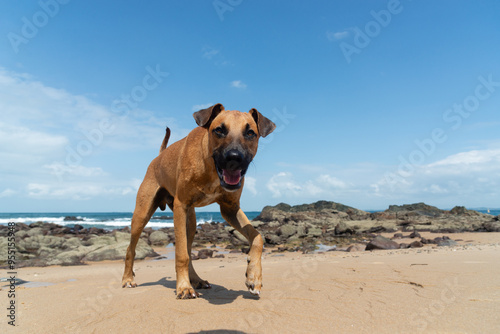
(381,242)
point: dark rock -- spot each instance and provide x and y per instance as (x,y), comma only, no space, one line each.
(205,253)
(416,244)
(96,231)
(37,224)
(461,210)
(22,227)
(342,228)
(377,229)
(398,236)
(273,239)
(493,226)
(381,242)
(403,245)
(415,234)
(78,227)
(72,218)
(62,230)
(219,256)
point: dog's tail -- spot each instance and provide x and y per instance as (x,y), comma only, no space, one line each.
(165,140)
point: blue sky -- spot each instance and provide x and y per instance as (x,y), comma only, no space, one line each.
(376,102)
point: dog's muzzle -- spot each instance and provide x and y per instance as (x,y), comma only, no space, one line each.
(231,167)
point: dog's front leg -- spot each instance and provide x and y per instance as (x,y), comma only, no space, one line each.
(184,290)
(237,219)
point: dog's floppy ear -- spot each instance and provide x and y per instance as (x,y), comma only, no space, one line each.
(265,125)
(205,116)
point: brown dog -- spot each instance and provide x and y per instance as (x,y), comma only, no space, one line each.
(208,166)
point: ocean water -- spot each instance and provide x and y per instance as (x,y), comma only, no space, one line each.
(107,220)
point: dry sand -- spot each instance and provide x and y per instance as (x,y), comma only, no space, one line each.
(445,290)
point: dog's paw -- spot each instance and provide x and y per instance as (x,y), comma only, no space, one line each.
(128,283)
(253,288)
(253,283)
(201,284)
(186,292)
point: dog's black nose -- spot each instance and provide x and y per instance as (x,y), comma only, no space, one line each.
(234,158)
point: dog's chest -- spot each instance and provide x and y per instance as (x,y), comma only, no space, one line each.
(209,194)
(208,199)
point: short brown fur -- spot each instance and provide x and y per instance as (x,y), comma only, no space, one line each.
(185,176)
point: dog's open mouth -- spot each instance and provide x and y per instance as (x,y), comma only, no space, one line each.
(230,179)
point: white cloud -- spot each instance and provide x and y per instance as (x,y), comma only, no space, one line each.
(76,190)
(59,169)
(198,107)
(463,177)
(335,36)
(251,185)
(7,193)
(41,124)
(479,158)
(284,184)
(331,182)
(209,52)
(24,140)
(238,84)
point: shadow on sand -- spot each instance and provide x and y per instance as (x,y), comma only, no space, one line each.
(217,295)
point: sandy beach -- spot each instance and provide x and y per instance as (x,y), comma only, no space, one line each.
(431,289)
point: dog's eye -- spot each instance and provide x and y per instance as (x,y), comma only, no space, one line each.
(220,131)
(250,134)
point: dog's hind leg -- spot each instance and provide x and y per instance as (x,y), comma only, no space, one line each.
(146,204)
(195,280)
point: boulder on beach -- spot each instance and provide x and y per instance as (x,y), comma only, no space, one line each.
(380,242)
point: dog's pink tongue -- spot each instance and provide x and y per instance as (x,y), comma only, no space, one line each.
(231,177)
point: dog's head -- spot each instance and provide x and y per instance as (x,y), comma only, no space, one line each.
(233,138)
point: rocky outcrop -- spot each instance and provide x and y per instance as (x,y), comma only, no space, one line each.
(333,223)
(283,227)
(44,244)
